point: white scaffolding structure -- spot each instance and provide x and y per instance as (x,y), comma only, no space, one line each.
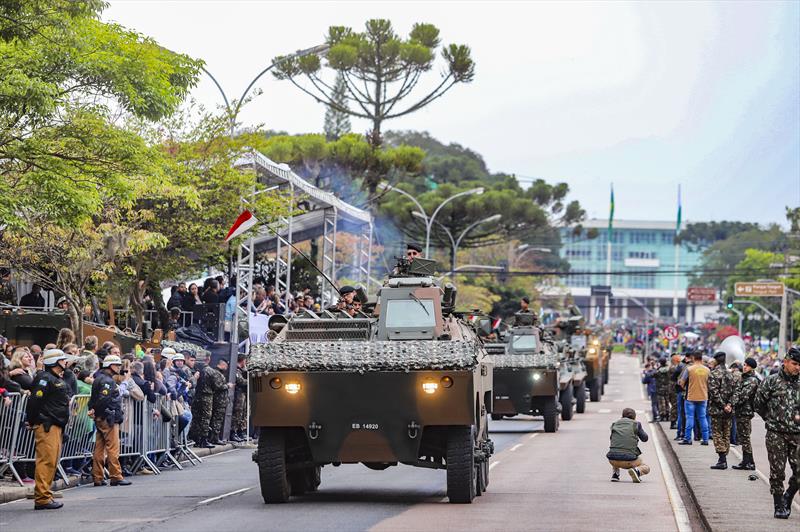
(325,216)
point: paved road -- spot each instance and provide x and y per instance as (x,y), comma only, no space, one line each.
(539,481)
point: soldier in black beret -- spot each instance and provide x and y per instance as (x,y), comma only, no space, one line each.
(413,251)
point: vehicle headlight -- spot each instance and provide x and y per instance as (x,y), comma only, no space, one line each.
(430,386)
(592,350)
(537,376)
(292,387)
(447,381)
(275,383)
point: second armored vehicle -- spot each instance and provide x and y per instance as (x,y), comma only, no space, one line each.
(411,384)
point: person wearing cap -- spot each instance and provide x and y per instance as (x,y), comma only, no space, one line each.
(105,406)
(743,410)
(219,402)
(347,294)
(48,414)
(721,388)
(694,380)
(413,251)
(778,402)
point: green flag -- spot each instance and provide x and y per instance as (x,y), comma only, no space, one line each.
(611,213)
(678,223)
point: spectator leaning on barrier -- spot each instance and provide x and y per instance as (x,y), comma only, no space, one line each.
(48,414)
(695,381)
(624,451)
(105,406)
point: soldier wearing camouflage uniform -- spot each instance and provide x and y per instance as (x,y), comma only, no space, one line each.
(202,406)
(778,402)
(8,294)
(743,410)
(721,388)
(662,390)
(239,421)
(220,387)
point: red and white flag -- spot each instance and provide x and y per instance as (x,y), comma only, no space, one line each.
(245,221)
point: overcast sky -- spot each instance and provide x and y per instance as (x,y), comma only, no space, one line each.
(644,95)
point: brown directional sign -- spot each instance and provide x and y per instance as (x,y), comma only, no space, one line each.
(701,293)
(759,289)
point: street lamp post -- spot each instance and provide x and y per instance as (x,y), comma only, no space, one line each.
(430,219)
(233,113)
(526,248)
(455,243)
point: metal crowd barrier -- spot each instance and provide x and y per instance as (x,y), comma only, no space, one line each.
(144,436)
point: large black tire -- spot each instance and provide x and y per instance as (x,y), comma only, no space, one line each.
(497,417)
(461,470)
(605,375)
(603,388)
(595,389)
(566,403)
(313,478)
(580,397)
(272,475)
(551,416)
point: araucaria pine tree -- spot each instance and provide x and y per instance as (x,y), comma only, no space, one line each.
(337,122)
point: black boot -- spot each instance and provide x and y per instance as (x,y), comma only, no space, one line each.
(787,499)
(722,463)
(673,425)
(780,507)
(747,463)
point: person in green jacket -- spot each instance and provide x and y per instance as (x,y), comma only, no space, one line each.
(624,451)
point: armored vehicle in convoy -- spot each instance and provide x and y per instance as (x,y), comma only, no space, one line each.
(411,383)
(528,375)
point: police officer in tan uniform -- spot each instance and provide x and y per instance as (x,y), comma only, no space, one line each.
(48,414)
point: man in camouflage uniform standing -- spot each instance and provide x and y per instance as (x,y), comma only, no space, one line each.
(239,421)
(662,390)
(778,402)
(202,405)
(8,294)
(743,410)
(220,387)
(721,388)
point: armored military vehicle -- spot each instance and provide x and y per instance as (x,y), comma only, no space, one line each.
(411,384)
(528,376)
(572,359)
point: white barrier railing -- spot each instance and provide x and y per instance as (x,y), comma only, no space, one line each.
(144,435)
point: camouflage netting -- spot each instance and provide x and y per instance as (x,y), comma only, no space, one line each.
(540,360)
(362,357)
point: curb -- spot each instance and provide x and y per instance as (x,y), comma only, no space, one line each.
(14,493)
(680,472)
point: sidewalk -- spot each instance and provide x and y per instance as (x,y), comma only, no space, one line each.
(727,500)
(11,490)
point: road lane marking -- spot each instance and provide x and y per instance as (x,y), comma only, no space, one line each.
(218,497)
(604,411)
(619,400)
(491,466)
(761,475)
(517,446)
(675,500)
(532,436)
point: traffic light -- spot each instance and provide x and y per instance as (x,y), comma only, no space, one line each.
(730,303)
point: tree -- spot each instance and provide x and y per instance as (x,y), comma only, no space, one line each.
(703,234)
(380,70)
(337,123)
(60,152)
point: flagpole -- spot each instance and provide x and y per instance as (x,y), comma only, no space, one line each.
(608,251)
(677,260)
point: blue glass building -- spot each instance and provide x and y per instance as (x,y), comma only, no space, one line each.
(642,266)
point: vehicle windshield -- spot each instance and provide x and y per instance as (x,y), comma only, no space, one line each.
(410,313)
(525,342)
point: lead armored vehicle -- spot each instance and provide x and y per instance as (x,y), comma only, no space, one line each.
(528,375)
(411,383)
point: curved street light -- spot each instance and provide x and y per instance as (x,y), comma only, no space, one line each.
(457,242)
(232,114)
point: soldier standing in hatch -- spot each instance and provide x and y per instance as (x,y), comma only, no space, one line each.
(663,385)
(219,401)
(743,410)
(48,414)
(8,294)
(239,421)
(721,388)
(777,401)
